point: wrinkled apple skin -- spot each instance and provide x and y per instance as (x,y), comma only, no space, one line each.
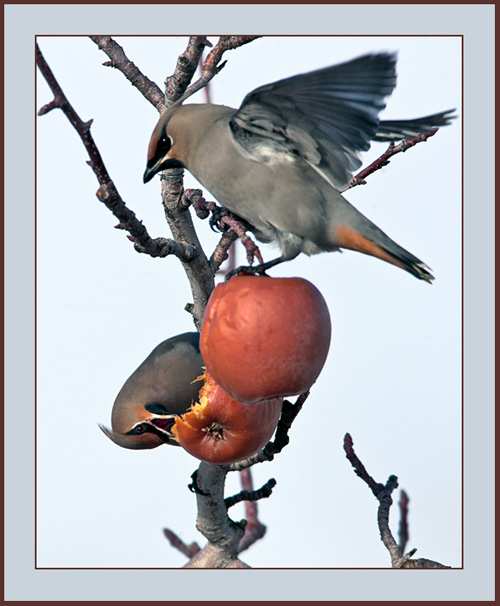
(265,337)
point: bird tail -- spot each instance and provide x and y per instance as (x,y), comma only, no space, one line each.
(395,130)
(352,230)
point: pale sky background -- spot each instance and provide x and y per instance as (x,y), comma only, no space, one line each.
(393,375)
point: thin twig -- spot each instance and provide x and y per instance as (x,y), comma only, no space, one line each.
(211,65)
(176,542)
(403,520)
(254,529)
(289,413)
(251,495)
(165,247)
(383,160)
(119,60)
(187,64)
(107,192)
(383,495)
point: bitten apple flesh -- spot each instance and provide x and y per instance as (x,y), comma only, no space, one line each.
(219,430)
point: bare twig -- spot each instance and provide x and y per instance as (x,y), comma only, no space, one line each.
(175,85)
(383,495)
(211,66)
(251,495)
(176,542)
(187,63)
(82,128)
(383,160)
(403,520)
(208,484)
(288,414)
(206,90)
(107,192)
(254,529)
(224,536)
(120,61)
(165,247)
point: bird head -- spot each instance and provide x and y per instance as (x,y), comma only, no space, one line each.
(140,427)
(163,387)
(160,153)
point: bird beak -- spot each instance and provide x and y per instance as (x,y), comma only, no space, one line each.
(156,165)
(151,172)
(162,425)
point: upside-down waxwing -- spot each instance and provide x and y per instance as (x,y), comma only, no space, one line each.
(163,387)
(281,160)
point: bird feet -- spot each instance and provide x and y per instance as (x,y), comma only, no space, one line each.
(255,270)
(222,220)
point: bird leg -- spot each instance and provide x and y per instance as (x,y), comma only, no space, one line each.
(218,220)
(240,230)
(222,219)
(254,270)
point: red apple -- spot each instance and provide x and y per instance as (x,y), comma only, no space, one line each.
(265,337)
(219,430)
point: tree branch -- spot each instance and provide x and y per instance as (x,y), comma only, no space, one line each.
(254,530)
(384,159)
(383,494)
(119,60)
(251,495)
(226,539)
(198,271)
(289,413)
(176,542)
(187,64)
(210,66)
(222,533)
(107,192)
(403,520)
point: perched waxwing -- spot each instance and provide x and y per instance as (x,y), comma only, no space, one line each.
(281,160)
(161,388)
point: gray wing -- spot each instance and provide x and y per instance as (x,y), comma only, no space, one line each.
(325,117)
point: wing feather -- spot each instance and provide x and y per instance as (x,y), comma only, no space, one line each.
(325,117)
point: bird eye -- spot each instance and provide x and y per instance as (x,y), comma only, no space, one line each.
(165,143)
(141,428)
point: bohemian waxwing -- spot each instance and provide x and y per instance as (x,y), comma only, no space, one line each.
(281,160)
(161,388)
